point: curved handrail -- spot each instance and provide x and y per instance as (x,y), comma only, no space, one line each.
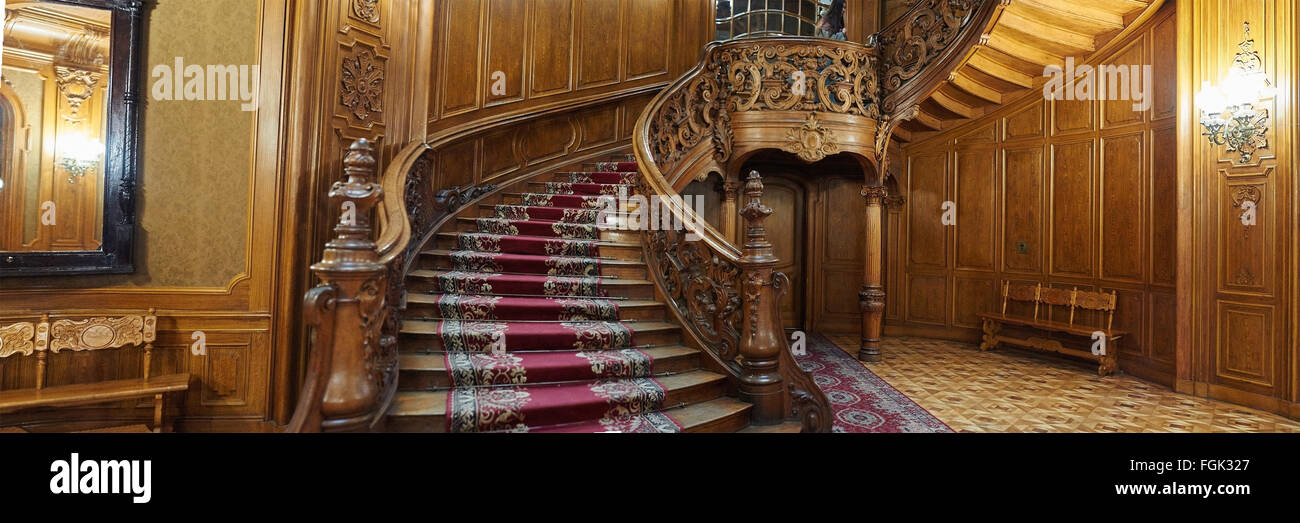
(921,48)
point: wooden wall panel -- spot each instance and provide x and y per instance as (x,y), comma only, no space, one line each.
(460,72)
(598,61)
(976,229)
(551,47)
(1079,195)
(649,51)
(1071,228)
(505,53)
(1022,208)
(1122,207)
(928,189)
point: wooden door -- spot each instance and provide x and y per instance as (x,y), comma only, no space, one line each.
(838,248)
(785,229)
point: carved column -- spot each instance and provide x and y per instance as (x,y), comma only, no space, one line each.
(351,269)
(762,339)
(871,299)
(730,190)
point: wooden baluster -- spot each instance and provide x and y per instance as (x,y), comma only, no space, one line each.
(730,192)
(871,299)
(762,339)
(356,284)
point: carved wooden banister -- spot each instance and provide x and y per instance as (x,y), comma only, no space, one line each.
(920,49)
(343,389)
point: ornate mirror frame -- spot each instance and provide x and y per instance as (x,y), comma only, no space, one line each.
(121,157)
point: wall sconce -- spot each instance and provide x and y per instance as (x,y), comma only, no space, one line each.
(81,156)
(1228,112)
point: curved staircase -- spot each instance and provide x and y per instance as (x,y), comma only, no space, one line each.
(532,317)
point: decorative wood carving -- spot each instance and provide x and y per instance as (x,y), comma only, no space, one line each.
(362,85)
(76,85)
(16,338)
(811,141)
(366,10)
(353,293)
(915,43)
(96,333)
(702,286)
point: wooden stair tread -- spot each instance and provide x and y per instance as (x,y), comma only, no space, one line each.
(788,427)
(700,417)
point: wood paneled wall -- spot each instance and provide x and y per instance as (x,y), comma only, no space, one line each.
(1067,193)
(554,52)
(1238,286)
(233,203)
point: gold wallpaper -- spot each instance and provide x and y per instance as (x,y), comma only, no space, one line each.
(196,156)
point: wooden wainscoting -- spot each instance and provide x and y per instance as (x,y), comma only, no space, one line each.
(1067,193)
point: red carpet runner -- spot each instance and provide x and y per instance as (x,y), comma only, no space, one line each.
(528,281)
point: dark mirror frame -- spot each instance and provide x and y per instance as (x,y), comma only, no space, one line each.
(121,157)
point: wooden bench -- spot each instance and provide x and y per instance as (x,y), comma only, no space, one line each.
(95,333)
(1045,298)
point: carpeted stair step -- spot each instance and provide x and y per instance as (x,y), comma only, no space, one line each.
(433,336)
(538,228)
(488,283)
(560,214)
(605,177)
(580,188)
(427,411)
(446,259)
(529,308)
(433,281)
(620,250)
(428,371)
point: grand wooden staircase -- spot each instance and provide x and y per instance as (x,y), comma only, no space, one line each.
(484,308)
(693,399)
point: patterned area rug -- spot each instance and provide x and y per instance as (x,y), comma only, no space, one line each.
(861,400)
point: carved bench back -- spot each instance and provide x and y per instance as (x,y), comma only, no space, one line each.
(44,336)
(1073,299)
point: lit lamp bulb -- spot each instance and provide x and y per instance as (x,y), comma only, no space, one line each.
(1211,99)
(80,155)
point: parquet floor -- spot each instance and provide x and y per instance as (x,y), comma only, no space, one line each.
(1006,390)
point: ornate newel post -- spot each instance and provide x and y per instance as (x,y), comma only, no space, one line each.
(762,339)
(350,268)
(871,299)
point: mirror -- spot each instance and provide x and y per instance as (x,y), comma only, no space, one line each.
(68,113)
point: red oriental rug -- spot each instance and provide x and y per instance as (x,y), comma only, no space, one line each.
(861,400)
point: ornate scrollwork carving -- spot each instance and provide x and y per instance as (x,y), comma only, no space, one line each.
(367,10)
(910,44)
(1245,193)
(702,286)
(16,338)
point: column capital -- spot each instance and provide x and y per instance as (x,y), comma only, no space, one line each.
(874,194)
